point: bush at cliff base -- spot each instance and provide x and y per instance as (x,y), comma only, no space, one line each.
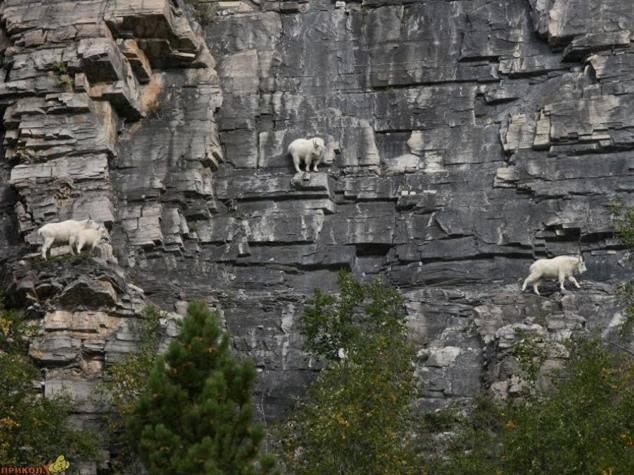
(196,415)
(584,426)
(123,384)
(355,418)
(33,430)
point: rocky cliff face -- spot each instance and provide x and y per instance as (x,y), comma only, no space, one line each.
(464,139)
(79,78)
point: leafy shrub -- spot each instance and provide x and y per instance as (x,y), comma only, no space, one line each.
(586,425)
(64,79)
(355,418)
(123,384)
(624,224)
(33,429)
(624,220)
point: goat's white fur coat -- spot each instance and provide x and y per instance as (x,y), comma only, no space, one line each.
(560,267)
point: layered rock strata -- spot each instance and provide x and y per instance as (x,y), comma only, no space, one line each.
(78,79)
(469,138)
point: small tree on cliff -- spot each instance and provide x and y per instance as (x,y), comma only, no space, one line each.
(356,417)
(196,415)
(124,382)
(625,232)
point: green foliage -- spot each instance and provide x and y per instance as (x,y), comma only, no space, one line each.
(361,312)
(356,416)
(624,220)
(127,379)
(33,429)
(195,415)
(626,294)
(123,384)
(64,79)
(586,425)
(624,224)
(530,351)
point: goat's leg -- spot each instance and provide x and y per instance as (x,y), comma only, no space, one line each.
(562,279)
(529,280)
(71,242)
(80,244)
(48,242)
(574,281)
(296,162)
(316,160)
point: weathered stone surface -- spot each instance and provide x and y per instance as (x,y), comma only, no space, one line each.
(77,79)
(468,146)
(85,292)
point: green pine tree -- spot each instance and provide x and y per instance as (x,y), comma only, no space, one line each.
(196,415)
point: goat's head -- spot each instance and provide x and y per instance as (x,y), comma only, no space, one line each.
(581,265)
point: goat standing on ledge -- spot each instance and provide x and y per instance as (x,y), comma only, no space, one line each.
(560,267)
(66,232)
(88,236)
(309,151)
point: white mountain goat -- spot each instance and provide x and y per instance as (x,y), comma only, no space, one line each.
(310,151)
(560,267)
(62,232)
(89,236)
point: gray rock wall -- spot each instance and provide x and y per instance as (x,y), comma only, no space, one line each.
(465,139)
(79,77)
(470,137)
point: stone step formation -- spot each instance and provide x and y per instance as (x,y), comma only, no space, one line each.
(463,140)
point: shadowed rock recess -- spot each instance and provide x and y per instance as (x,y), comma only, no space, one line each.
(464,139)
